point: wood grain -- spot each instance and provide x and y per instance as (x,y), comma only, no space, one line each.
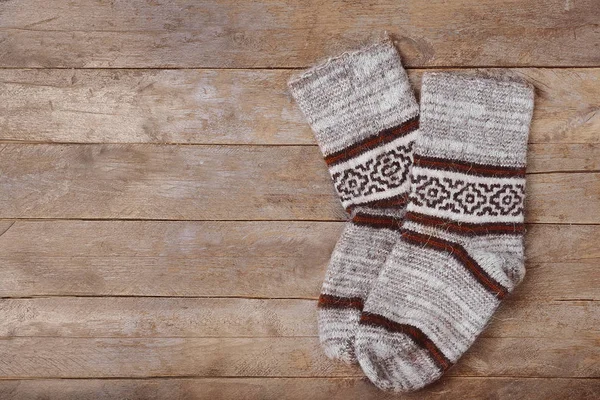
(544,158)
(288,33)
(253,259)
(271,357)
(196,318)
(234,183)
(150,106)
(156,271)
(270,259)
(467,388)
(234,106)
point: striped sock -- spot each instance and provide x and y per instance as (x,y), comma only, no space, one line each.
(365,119)
(461,250)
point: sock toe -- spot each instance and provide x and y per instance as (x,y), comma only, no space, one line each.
(337,332)
(394,361)
(339,350)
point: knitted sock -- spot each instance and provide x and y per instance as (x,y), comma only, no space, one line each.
(461,250)
(365,119)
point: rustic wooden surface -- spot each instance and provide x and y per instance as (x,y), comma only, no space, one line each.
(166,218)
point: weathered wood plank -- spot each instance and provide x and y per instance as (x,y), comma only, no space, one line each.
(564,157)
(271,357)
(563,198)
(256,259)
(233,106)
(152,106)
(194,318)
(276,33)
(562,244)
(559,281)
(467,388)
(272,259)
(165,182)
(159,317)
(228,182)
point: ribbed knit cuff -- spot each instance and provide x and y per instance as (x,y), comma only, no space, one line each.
(355,96)
(474,119)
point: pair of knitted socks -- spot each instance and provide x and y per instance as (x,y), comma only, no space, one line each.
(435,239)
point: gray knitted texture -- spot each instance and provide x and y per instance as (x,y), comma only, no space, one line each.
(461,246)
(365,120)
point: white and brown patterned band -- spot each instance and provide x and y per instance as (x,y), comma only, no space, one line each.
(375,172)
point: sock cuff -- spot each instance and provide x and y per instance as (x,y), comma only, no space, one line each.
(475,119)
(355,96)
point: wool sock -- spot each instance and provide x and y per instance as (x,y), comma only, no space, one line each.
(365,119)
(461,250)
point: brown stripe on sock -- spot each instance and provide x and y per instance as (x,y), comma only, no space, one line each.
(329,301)
(376,221)
(465,228)
(383,137)
(461,255)
(468,168)
(417,335)
(398,201)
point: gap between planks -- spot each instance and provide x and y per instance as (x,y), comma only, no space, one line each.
(133,296)
(301,68)
(242,145)
(324,221)
(150,377)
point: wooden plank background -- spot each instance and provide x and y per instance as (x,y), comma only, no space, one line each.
(166,218)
